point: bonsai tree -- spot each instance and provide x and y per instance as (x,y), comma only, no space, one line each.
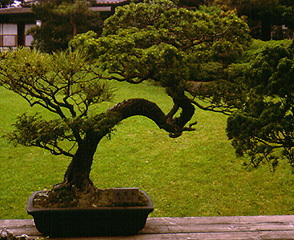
(151,41)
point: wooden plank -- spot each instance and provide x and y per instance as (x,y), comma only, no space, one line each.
(20,226)
(18,223)
(233,219)
(218,224)
(192,236)
(229,228)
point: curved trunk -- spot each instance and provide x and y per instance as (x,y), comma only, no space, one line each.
(78,172)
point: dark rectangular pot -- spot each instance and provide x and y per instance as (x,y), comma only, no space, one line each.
(70,222)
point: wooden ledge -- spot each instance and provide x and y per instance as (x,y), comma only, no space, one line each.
(221,228)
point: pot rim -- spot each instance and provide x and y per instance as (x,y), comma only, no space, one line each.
(30,206)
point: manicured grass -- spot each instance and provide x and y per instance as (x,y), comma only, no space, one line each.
(197,174)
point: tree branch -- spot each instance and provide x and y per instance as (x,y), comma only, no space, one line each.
(143,107)
(212,108)
(55,150)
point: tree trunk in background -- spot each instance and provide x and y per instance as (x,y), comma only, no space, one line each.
(266,24)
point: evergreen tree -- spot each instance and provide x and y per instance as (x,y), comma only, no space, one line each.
(264,14)
(61,21)
(263,128)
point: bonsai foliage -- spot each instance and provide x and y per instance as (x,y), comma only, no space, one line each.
(265,123)
(66,85)
(151,41)
(177,48)
(196,52)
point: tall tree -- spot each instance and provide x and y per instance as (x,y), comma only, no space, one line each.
(61,21)
(4,3)
(264,14)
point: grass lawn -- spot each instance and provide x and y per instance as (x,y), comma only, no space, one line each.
(197,174)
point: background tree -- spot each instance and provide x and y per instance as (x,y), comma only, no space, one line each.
(61,21)
(263,128)
(4,3)
(263,15)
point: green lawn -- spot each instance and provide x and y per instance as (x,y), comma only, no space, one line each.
(194,175)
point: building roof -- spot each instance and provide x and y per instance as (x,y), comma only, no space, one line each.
(105,6)
(110,2)
(15,10)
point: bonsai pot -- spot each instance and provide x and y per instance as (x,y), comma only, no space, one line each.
(64,222)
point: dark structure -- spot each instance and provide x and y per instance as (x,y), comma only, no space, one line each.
(13,24)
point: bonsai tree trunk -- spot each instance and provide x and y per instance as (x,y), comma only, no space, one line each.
(78,172)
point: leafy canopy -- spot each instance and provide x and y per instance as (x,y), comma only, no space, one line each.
(158,41)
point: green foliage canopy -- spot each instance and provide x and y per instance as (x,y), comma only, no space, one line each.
(158,41)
